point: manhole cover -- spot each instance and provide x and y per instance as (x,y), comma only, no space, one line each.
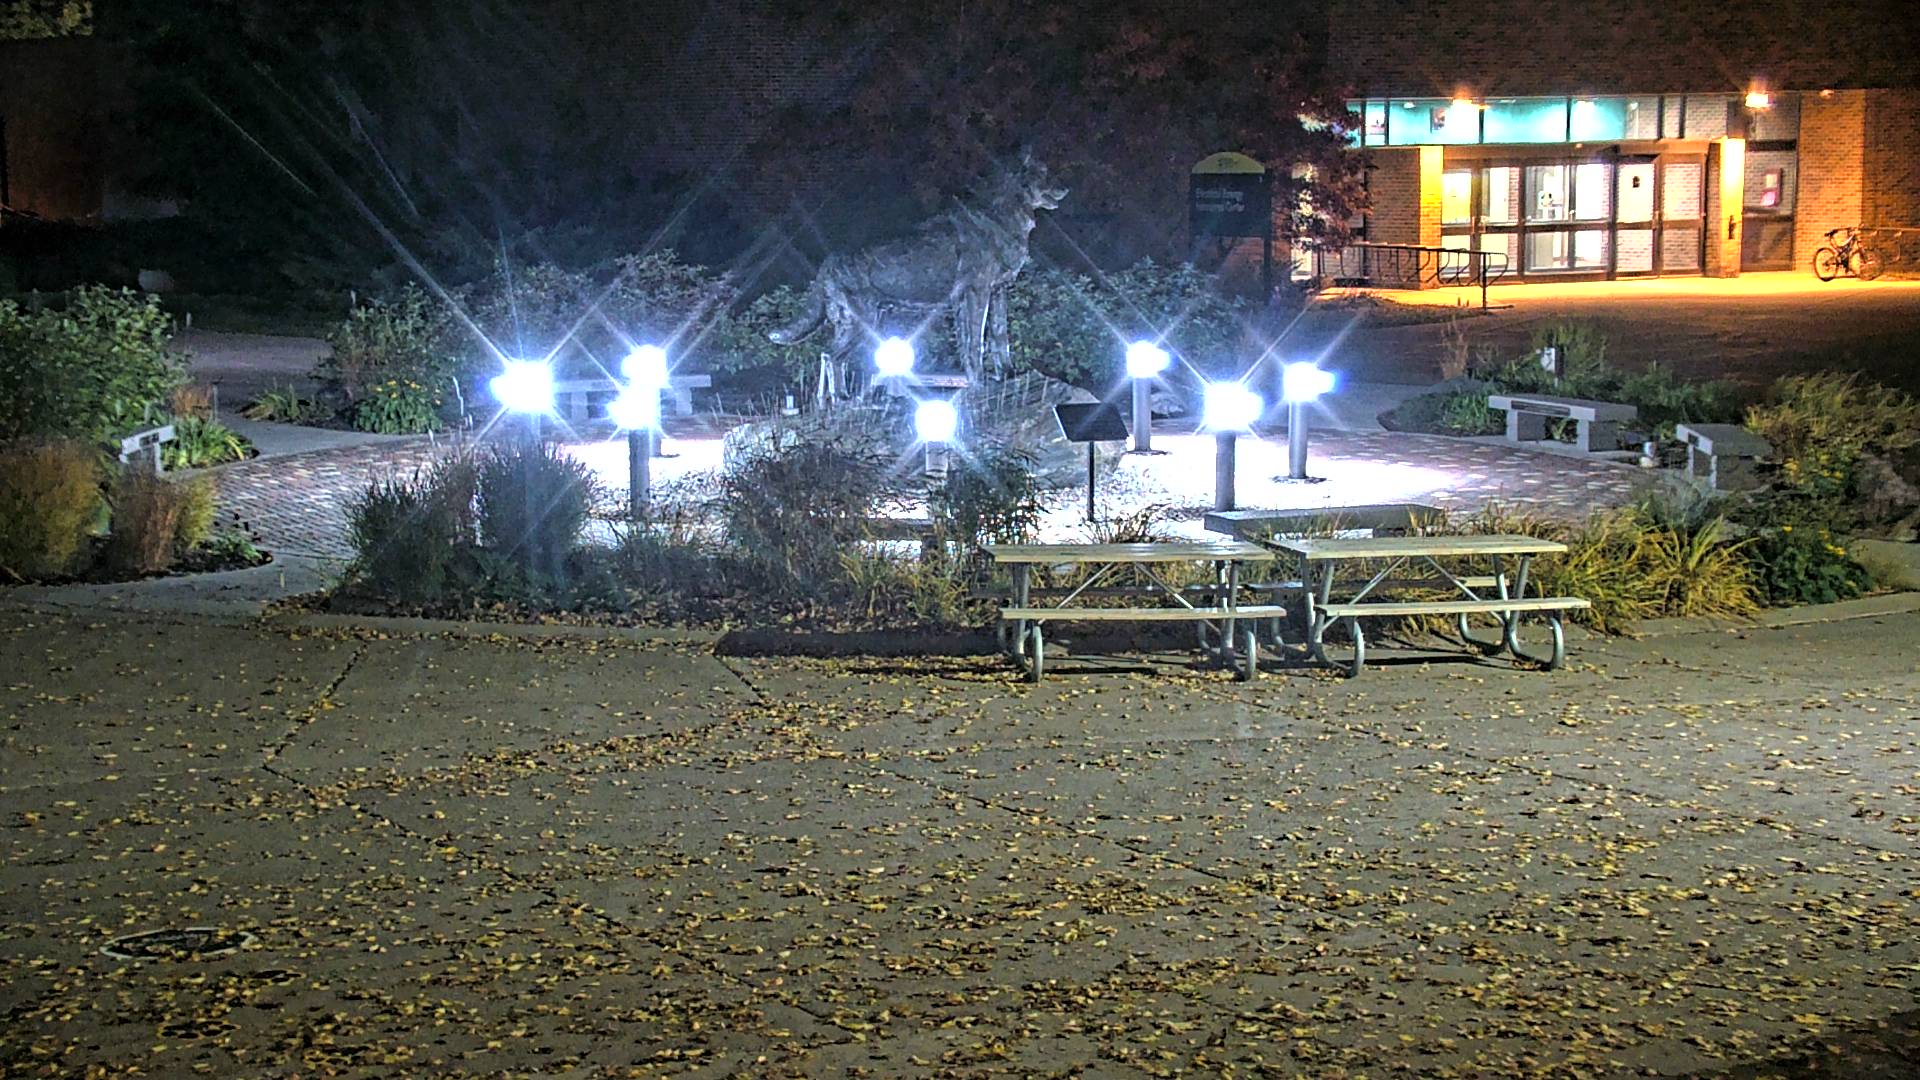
(186,943)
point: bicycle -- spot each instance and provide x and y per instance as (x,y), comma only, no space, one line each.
(1847,254)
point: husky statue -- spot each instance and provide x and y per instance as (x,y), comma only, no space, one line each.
(961,261)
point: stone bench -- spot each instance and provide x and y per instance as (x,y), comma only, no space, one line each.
(1596,424)
(1726,454)
(574,398)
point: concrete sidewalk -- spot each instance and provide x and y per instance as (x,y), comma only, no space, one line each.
(462,856)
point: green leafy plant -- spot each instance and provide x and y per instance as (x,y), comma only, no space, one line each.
(49,499)
(398,407)
(94,370)
(199,442)
(1822,425)
(1807,565)
(286,406)
(410,337)
(232,546)
(533,502)
(1453,412)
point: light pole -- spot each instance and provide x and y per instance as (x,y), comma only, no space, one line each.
(1145,362)
(893,359)
(525,386)
(636,410)
(1227,409)
(1301,384)
(936,422)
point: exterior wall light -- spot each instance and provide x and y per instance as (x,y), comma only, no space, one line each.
(1759,99)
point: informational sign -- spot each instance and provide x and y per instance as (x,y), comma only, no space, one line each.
(1228,195)
(1093,421)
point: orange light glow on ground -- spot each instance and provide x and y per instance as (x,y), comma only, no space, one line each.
(1781,283)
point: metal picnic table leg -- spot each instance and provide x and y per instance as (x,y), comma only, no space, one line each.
(1558,655)
(1021,588)
(1486,645)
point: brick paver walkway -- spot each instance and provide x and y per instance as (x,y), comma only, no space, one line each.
(298,503)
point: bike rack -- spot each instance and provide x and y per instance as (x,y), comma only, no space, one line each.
(1898,245)
(1411,266)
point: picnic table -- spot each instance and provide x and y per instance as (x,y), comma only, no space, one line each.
(1217,611)
(1323,559)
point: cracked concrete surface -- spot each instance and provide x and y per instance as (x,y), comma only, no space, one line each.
(474,857)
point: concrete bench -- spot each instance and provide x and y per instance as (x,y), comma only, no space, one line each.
(1596,424)
(1726,454)
(575,398)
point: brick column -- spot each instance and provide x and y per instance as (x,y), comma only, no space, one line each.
(1726,202)
(1832,167)
(1404,186)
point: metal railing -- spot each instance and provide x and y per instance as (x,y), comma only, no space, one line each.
(1409,266)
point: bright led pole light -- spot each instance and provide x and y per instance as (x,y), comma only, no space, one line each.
(646,367)
(636,410)
(525,386)
(1301,383)
(893,358)
(936,422)
(1145,361)
(1227,409)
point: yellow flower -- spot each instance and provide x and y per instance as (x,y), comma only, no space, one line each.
(1786,528)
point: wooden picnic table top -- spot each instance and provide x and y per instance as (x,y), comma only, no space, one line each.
(1170,551)
(1390,547)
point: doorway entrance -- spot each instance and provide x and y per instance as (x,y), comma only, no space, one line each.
(1603,217)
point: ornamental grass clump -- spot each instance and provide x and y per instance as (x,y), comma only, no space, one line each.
(532,503)
(49,500)
(144,537)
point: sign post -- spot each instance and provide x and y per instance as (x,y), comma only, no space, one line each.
(1228,195)
(1091,422)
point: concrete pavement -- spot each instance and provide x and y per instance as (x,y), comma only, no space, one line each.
(467,857)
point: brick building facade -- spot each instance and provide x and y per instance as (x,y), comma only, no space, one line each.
(1615,139)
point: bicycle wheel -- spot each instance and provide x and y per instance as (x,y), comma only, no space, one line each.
(1826,264)
(1867,264)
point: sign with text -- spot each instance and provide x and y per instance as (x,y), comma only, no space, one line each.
(1228,195)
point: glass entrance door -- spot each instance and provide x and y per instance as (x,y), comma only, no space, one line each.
(1634,222)
(1568,209)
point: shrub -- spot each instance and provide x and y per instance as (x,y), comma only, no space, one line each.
(94,371)
(146,523)
(990,498)
(1804,566)
(792,506)
(1075,328)
(1453,412)
(199,506)
(49,499)
(410,337)
(404,538)
(1662,397)
(398,407)
(199,442)
(1822,425)
(533,502)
